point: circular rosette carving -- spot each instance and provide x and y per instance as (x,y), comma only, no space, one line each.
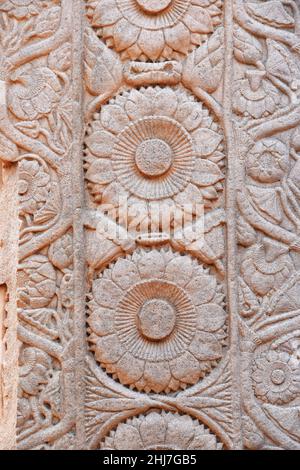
(154,29)
(155,311)
(154,158)
(161,431)
(276,377)
(154,144)
(156,320)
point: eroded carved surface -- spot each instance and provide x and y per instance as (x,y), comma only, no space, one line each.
(184,336)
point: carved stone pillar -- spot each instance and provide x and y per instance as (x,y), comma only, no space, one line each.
(150,217)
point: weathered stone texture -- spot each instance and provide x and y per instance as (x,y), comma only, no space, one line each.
(121,328)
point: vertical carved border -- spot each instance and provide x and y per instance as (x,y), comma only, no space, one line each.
(78,229)
(8,300)
(266,125)
(232,286)
(99,415)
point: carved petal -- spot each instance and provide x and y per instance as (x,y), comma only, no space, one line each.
(102,321)
(211,317)
(157,375)
(201,289)
(178,37)
(165,103)
(153,429)
(138,105)
(152,264)
(100,172)
(112,194)
(190,195)
(130,369)
(114,118)
(101,143)
(125,273)
(106,293)
(108,349)
(203,442)
(185,368)
(190,115)
(185,424)
(206,173)
(106,13)
(125,34)
(127,438)
(151,43)
(198,20)
(206,141)
(205,347)
(179,270)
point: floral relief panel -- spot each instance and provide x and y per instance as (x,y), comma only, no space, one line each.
(155,143)
(266,122)
(155,300)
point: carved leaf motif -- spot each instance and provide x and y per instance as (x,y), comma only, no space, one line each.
(8,150)
(246,234)
(51,205)
(253,439)
(60,59)
(103,398)
(288,300)
(47,22)
(268,201)
(204,20)
(103,69)
(271,12)
(206,173)
(204,66)
(44,319)
(249,304)
(100,172)
(247,49)
(288,418)
(281,63)
(206,141)
(30,128)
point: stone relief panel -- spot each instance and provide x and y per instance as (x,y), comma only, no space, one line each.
(265,105)
(36,130)
(157,309)
(118,118)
